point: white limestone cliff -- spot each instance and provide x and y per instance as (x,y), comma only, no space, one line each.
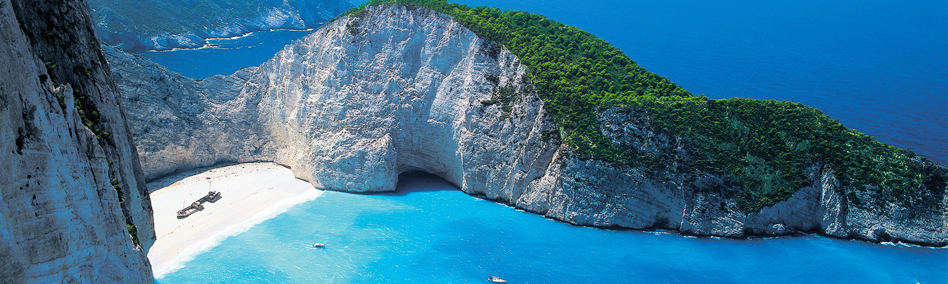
(397,89)
(351,107)
(61,217)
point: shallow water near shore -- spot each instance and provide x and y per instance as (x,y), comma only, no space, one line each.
(432,233)
(876,66)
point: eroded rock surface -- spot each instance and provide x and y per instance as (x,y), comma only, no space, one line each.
(61,218)
(397,89)
(351,107)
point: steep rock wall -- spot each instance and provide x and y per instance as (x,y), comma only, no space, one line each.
(181,123)
(397,89)
(61,219)
(698,203)
(351,107)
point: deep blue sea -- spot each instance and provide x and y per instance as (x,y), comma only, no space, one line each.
(224,56)
(429,232)
(880,67)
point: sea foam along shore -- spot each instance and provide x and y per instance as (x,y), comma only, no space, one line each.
(250,194)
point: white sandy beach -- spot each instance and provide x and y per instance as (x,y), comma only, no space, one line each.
(250,194)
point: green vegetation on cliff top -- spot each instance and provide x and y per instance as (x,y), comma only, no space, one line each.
(765,146)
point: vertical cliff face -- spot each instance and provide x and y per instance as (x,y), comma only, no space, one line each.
(181,123)
(596,193)
(396,89)
(400,89)
(73,203)
(352,106)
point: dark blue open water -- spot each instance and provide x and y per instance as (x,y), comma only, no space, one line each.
(225,56)
(878,66)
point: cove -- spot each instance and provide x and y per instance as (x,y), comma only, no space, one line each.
(226,55)
(877,66)
(430,232)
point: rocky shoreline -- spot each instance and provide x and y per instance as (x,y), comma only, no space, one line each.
(398,89)
(172,25)
(390,90)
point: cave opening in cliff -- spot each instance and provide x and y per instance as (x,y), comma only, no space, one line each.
(421,181)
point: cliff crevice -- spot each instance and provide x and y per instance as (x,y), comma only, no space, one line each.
(68,155)
(394,89)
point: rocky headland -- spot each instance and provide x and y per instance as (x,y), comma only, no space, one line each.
(162,24)
(385,91)
(394,89)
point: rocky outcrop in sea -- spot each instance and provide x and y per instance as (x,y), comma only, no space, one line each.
(396,89)
(73,202)
(163,25)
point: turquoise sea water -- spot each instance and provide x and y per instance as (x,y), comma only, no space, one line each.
(880,67)
(429,232)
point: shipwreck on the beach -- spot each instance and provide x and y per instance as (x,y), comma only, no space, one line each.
(212,196)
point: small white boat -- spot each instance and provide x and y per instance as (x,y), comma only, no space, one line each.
(318,245)
(495,279)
